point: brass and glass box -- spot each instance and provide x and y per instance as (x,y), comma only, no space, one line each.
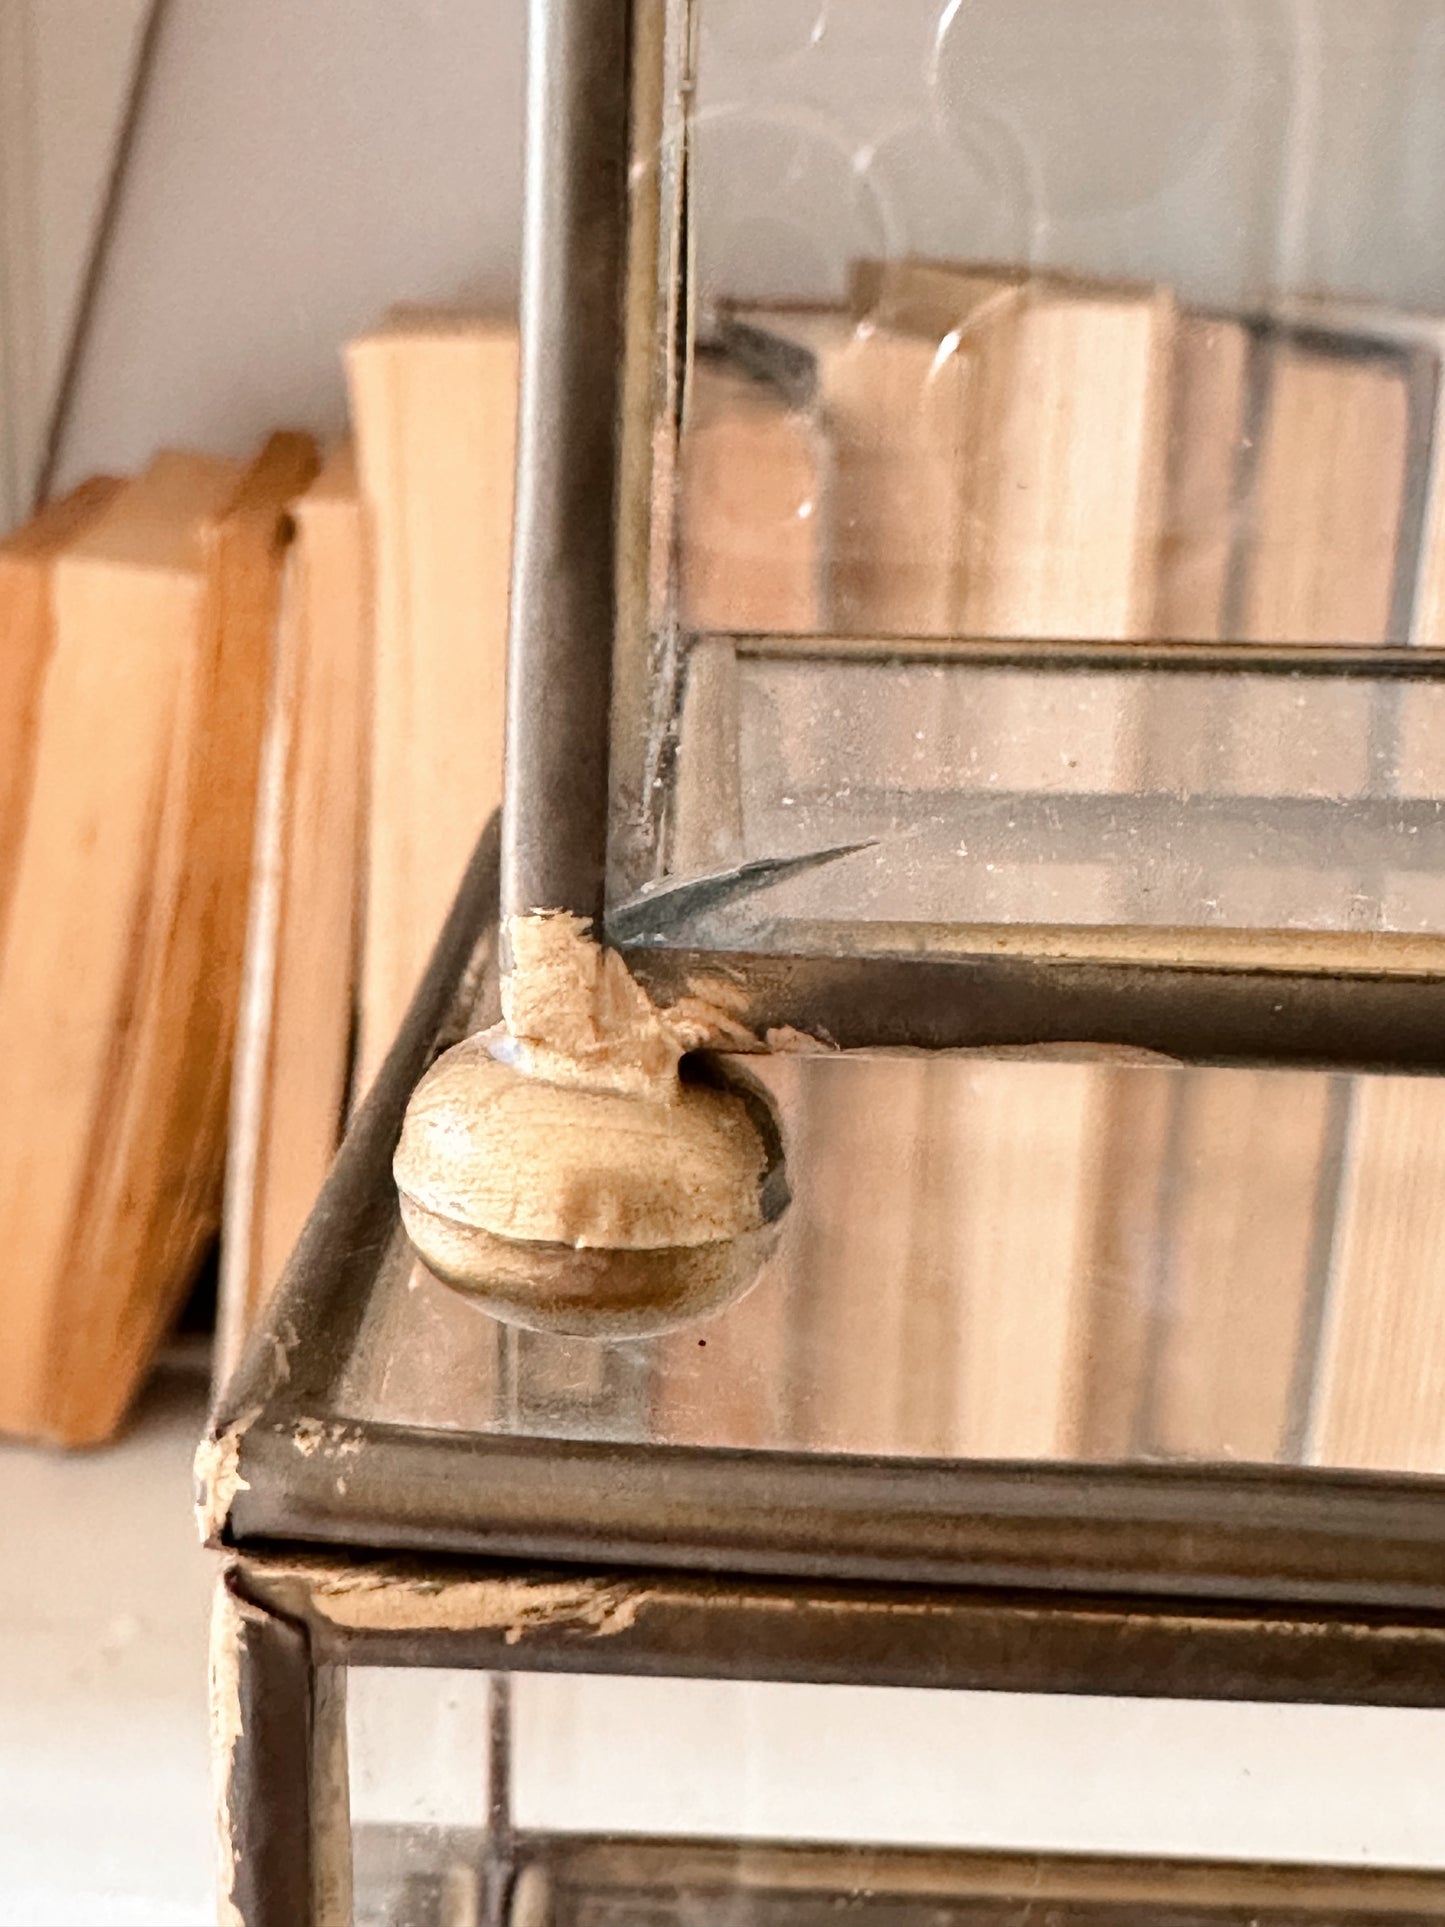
(978,654)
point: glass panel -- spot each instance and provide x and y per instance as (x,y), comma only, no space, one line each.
(419,1765)
(1075,795)
(764,1760)
(1067,320)
(1231,1266)
(668,1800)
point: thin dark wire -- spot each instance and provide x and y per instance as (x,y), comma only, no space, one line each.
(88,300)
(500,1849)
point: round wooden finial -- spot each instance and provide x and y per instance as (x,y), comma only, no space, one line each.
(563,1171)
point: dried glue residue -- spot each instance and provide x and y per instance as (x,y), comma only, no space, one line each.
(381,1602)
(225,1715)
(785,1040)
(577,1016)
(312,1435)
(568,1125)
(218,1480)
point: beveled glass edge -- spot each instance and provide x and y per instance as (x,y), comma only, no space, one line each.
(1386,661)
(646,645)
(657,127)
(1415,662)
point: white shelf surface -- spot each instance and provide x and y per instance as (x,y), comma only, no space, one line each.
(105,1805)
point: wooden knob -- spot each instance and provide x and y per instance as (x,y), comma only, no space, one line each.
(592,1212)
(569,1192)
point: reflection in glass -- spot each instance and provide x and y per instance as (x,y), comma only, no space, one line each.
(1135,308)
(1014,1260)
(1057,321)
(979,791)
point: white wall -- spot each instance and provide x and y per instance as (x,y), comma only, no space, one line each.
(302,166)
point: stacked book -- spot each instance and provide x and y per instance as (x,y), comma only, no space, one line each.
(250,728)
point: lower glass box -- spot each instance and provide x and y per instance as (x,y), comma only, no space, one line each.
(635,1802)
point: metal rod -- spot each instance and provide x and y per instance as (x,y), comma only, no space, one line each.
(1186,1532)
(93,280)
(564,568)
(497,1866)
(261,1676)
(701,1625)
